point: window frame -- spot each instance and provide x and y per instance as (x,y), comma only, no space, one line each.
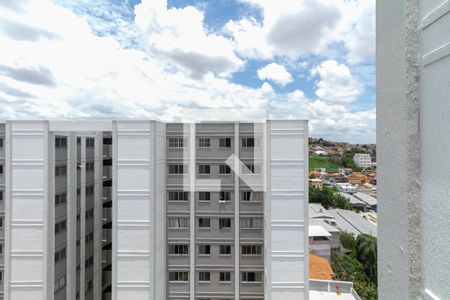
(204,142)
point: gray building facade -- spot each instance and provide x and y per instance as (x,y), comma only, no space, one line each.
(148,210)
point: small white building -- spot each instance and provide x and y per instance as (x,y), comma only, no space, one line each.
(346,187)
(319,241)
(362,160)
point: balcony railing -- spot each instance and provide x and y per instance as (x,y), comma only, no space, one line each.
(107,151)
(107,172)
(333,286)
(107,194)
(106,215)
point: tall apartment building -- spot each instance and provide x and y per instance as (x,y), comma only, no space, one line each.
(147,210)
(362,160)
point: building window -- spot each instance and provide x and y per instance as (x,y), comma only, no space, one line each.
(179,249)
(61,226)
(204,249)
(1,195)
(178,276)
(60,255)
(224,169)
(250,142)
(251,169)
(251,277)
(251,250)
(225,143)
(225,249)
(1,222)
(1,276)
(204,142)
(90,166)
(179,222)
(176,142)
(61,171)
(61,142)
(60,198)
(251,196)
(225,276)
(204,169)
(251,223)
(178,196)
(224,223)
(89,214)
(204,196)
(90,142)
(88,262)
(224,196)
(204,276)
(60,284)
(90,190)
(176,169)
(1,143)
(89,237)
(204,222)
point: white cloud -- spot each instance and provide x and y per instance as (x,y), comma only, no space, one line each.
(179,34)
(64,69)
(336,83)
(276,73)
(295,28)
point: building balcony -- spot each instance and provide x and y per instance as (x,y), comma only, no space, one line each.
(107,151)
(107,215)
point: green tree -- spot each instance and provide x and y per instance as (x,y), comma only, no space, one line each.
(366,253)
(329,198)
(348,241)
(348,268)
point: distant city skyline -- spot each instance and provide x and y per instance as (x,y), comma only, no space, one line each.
(153,58)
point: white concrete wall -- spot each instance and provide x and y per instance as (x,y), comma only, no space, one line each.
(434,91)
(413,126)
(286,211)
(27,250)
(138,217)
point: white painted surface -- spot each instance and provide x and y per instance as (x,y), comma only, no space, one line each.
(413,126)
(435,144)
(286,263)
(26,234)
(139,233)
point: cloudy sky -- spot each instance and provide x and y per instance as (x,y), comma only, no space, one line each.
(310,59)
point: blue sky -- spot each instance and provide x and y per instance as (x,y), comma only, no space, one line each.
(309,59)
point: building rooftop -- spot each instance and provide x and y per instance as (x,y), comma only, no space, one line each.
(319,268)
(371,201)
(350,221)
(324,224)
(353,200)
(331,290)
(316,210)
(317,230)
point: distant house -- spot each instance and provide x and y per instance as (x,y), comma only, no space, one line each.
(357,204)
(319,241)
(369,200)
(346,187)
(316,183)
(335,239)
(352,222)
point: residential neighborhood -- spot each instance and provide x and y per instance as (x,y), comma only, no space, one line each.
(342,217)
